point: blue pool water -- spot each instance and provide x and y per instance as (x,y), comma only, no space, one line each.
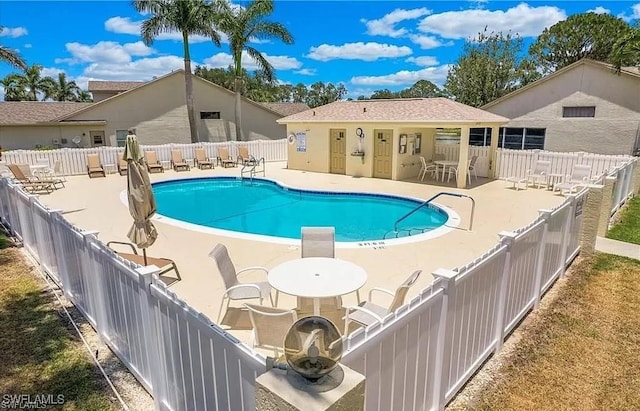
(264,207)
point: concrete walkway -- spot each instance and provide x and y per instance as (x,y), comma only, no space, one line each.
(609,246)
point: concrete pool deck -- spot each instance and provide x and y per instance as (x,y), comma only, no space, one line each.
(95,204)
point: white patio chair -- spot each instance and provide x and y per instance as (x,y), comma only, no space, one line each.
(453,171)
(270,326)
(472,168)
(426,168)
(580,176)
(234,289)
(367,313)
(318,242)
(540,173)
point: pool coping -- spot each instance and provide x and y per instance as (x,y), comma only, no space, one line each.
(452,223)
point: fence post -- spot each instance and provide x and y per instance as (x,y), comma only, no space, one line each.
(566,230)
(506,238)
(545,215)
(592,209)
(635,179)
(152,338)
(443,349)
(607,205)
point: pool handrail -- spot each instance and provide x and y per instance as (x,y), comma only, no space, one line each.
(442,193)
(252,171)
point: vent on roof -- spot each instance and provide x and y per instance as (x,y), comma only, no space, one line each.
(364,110)
(314,113)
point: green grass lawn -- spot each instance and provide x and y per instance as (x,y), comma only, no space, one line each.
(39,354)
(627,228)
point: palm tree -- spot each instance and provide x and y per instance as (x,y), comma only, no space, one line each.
(13,89)
(626,50)
(83,96)
(242,25)
(10,56)
(189,17)
(32,82)
(62,90)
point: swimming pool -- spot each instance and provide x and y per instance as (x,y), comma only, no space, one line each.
(266,208)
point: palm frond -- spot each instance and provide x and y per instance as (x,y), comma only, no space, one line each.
(263,64)
(266,30)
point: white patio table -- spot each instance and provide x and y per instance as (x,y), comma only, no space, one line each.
(317,277)
(445,164)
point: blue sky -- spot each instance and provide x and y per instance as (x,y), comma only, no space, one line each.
(366,45)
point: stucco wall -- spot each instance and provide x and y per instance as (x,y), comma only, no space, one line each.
(21,137)
(616,123)
(158,113)
(408,165)
(612,131)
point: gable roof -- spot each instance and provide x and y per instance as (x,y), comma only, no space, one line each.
(286,109)
(418,110)
(156,80)
(113,85)
(34,112)
(628,71)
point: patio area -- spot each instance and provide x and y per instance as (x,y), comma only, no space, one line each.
(95,204)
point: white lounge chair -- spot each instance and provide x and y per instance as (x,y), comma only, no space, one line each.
(540,173)
(580,176)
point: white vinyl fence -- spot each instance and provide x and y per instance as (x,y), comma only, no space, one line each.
(74,160)
(452,152)
(421,355)
(416,359)
(516,163)
(180,356)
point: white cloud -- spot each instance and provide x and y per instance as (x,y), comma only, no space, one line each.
(143,69)
(635,13)
(278,62)
(423,61)
(522,19)
(358,51)
(386,25)
(124,25)
(360,91)
(14,32)
(599,10)
(28,46)
(428,42)
(104,51)
(306,72)
(405,77)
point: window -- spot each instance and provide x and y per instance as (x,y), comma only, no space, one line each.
(580,111)
(121,137)
(210,115)
(510,137)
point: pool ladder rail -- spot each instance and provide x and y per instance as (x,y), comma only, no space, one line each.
(413,231)
(251,168)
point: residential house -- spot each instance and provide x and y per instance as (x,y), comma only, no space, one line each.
(156,110)
(585,106)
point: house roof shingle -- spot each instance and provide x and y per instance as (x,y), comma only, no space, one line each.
(417,110)
(33,112)
(286,109)
(95,85)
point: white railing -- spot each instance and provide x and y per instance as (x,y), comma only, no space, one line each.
(420,356)
(74,160)
(178,354)
(623,185)
(416,359)
(516,163)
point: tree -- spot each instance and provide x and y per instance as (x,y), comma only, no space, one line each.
(321,94)
(382,94)
(189,17)
(582,35)
(10,56)
(422,88)
(626,49)
(489,67)
(30,83)
(242,25)
(83,96)
(62,90)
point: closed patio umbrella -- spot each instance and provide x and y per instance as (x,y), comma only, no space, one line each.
(142,205)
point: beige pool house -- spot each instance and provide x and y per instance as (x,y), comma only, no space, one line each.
(382,138)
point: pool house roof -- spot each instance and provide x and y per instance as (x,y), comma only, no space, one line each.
(437,110)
